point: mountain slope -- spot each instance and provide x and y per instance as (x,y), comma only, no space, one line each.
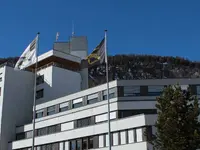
(130,67)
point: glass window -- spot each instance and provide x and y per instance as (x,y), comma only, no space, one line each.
(40,79)
(63,107)
(155,90)
(93,98)
(40,94)
(73,145)
(42,131)
(128,113)
(77,103)
(51,110)
(131,90)
(85,144)
(84,122)
(0,79)
(20,136)
(198,89)
(55,146)
(51,129)
(111,95)
(91,143)
(29,134)
(39,113)
(79,143)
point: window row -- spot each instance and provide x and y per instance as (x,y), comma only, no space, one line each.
(52,146)
(39,132)
(117,138)
(93,98)
(143,90)
(154,90)
(100,141)
(84,122)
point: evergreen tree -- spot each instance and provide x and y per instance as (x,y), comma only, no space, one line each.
(177,123)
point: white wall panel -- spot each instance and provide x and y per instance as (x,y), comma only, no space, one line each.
(131,136)
(66,145)
(67,126)
(139,134)
(61,146)
(123,137)
(101,141)
(115,138)
(104,117)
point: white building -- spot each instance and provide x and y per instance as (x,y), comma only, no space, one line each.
(69,116)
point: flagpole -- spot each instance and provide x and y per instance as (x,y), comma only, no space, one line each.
(35,88)
(107,80)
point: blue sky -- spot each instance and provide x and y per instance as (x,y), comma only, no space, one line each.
(158,27)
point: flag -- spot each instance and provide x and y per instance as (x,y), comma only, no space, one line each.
(98,54)
(28,57)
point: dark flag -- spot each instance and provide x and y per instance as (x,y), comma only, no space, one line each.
(97,56)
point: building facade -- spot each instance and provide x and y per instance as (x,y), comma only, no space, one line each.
(71,116)
(79,121)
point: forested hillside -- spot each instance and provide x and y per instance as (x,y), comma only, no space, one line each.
(139,67)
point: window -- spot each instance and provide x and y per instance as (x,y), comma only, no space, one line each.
(20,136)
(51,110)
(93,98)
(55,146)
(42,131)
(155,90)
(39,113)
(0,79)
(79,144)
(198,89)
(54,129)
(77,103)
(29,134)
(73,145)
(131,90)
(40,79)
(63,107)
(111,93)
(40,94)
(84,122)
(85,144)
(91,144)
(128,113)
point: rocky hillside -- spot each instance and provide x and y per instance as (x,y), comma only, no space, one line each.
(139,67)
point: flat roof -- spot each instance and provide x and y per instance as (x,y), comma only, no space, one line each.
(58,57)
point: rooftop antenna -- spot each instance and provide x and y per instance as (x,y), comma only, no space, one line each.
(57,35)
(73,33)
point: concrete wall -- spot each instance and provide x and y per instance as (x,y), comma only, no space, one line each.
(116,125)
(2,76)
(17,103)
(58,83)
